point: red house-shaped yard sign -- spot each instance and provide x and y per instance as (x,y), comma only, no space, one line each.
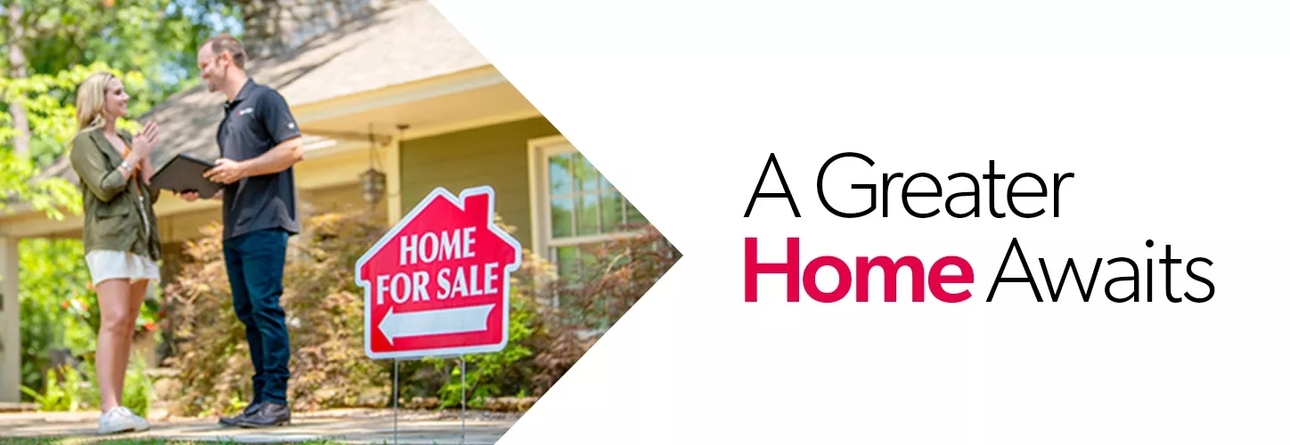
(438,283)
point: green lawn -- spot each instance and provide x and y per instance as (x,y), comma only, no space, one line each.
(84,441)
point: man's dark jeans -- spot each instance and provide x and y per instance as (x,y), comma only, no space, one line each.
(255,262)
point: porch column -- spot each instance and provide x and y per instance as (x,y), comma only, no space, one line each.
(393,182)
(10,344)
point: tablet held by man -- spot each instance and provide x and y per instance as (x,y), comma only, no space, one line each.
(184,173)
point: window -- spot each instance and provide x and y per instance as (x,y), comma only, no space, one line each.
(575,209)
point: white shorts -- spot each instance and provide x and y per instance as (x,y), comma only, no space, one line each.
(110,264)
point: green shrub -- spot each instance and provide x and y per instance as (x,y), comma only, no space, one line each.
(59,326)
(56,306)
(65,394)
(137,393)
(325,315)
(611,278)
(324,312)
(76,388)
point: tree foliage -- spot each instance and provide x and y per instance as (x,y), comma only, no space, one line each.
(49,101)
(157,38)
(151,44)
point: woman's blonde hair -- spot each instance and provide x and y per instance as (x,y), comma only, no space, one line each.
(90,99)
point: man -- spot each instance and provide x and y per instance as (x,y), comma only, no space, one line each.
(259,143)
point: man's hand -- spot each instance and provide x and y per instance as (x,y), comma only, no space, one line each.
(193,196)
(227,171)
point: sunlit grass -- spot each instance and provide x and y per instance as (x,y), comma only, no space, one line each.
(91,441)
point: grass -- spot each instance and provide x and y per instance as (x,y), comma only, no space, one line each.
(83,441)
(89,441)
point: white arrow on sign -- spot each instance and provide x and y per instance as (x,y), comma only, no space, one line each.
(456,320)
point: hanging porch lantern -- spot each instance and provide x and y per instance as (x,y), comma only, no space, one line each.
(372,183)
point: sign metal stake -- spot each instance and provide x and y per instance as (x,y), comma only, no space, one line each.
(396,401)
(463,399)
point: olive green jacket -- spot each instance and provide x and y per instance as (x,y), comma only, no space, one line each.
(118,215)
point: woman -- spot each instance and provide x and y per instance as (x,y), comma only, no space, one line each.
(120,232)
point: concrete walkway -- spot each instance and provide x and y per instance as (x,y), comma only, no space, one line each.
(340,426)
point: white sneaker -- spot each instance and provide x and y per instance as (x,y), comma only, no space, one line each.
(120,420)
(140,423)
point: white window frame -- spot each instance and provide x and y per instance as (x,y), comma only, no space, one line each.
(540,150)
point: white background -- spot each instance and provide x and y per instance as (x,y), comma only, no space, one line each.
(1174,118)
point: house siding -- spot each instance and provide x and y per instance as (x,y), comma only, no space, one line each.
(495,155)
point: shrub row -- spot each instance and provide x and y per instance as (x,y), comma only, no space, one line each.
(329,369)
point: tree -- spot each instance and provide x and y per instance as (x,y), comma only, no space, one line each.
(50,45)
(18,70)
(53,120)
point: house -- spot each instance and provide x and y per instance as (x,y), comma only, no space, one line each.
(399,91)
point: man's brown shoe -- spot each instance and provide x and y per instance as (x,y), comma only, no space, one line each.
(236,420)
(269,414)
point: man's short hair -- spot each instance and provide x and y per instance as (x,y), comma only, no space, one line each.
(227,43)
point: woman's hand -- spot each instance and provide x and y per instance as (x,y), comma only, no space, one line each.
(146,139)
(141,152)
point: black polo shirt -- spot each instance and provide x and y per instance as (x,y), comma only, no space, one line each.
(255,121)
